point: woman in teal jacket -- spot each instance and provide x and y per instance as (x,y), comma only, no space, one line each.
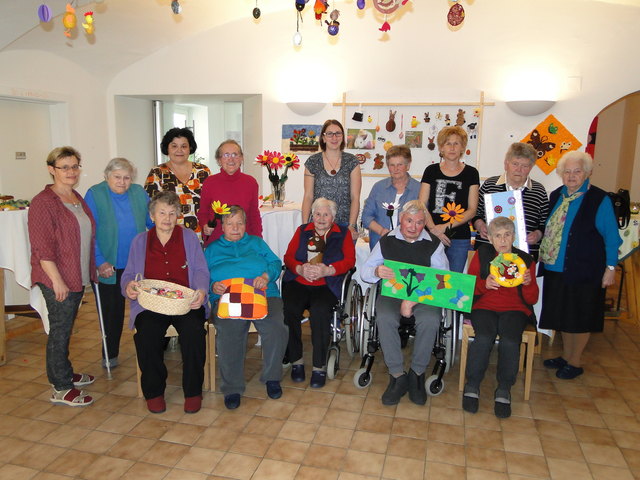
(120,210)
(239,255)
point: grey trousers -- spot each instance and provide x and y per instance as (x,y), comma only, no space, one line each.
(388,321)
(62,315)
(231,345)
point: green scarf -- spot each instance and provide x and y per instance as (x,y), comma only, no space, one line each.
(550,245)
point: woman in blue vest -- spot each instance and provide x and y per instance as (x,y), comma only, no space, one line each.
(317,259)
(579,252)
(120,210)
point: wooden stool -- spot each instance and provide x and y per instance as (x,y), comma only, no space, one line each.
(527,351)
(171,332)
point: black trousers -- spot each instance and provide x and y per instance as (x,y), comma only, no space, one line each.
(149,339)
(320,302)
(112,304)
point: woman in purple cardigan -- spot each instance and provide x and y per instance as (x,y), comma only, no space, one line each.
(174,255)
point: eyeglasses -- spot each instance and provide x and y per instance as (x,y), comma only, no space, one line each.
(67,168)
(231,155)
(333,134)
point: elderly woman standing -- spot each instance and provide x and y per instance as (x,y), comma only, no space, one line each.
(518,162)
(120,211)
(62,237)
(335,175)
(180,175)
(579,251)
(450,191)
(239,255)
(231,187)
(172,254)
(317,259)
(398,189)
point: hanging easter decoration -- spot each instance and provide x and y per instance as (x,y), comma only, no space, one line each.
(320,8)
(88,25)
(256,11)
(360,4)
(69,20)
(456,15)
(300,4)
(387,7)
(334,25)
(176,7)
(44,13)
(297,37)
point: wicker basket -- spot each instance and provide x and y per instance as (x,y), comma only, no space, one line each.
(164,305)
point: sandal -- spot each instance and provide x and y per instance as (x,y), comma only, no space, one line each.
(72,397)
(82,379)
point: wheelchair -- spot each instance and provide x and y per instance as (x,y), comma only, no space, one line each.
(369,342)
(344,322)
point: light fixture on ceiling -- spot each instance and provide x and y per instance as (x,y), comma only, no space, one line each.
(529,108)
(306,108)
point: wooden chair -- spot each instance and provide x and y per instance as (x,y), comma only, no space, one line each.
(171,332)
(527,351)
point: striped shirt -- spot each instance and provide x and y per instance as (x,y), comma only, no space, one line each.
(534,200)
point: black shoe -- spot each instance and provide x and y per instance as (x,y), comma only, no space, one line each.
(470,404)
(297,373)
(274,390)
(395,390)
(556,363)
(502,406)
(318,379)
(569,372)
(417,389)
(232,401)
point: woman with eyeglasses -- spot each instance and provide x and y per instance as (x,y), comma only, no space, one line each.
(62,238)
(180,175)
(335,175)
(231,187)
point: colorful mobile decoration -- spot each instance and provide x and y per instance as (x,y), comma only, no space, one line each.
(176,7)
(508,269)
(551,140)
(69,20)
(88,25)
(320,8)
(387,7)
(440,288)
(333,26)
(360,4)
(44,13)
(456,14)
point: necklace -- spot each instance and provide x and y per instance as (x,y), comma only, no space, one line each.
(333,170)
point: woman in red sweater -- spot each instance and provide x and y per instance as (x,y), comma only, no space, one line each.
(498,311)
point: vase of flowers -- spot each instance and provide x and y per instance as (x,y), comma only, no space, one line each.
(274,161)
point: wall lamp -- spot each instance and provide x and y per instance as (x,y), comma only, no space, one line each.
(529,108)
(306,108)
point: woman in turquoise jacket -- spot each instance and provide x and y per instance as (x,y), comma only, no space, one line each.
(239,255)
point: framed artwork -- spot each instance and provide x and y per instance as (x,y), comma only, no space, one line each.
(508,204)
(431,286)
(301,139)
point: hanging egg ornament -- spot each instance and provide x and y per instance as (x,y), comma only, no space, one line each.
(176,7)
(300,4)
(333,26)
(256,13)
(297,39)
(44,13)
(360,4)
(456,15)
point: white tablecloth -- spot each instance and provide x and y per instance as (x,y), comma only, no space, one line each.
(279,224)
(15,255)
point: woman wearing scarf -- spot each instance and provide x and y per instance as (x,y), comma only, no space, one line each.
(579,252)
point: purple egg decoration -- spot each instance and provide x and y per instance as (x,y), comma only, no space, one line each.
(44,13)
(333,29)
(360,4)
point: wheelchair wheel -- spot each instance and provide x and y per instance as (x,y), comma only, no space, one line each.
(362,379)
(353,311)
(434,386)
(332,364)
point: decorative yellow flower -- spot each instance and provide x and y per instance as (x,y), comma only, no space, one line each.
(452,212)
(220,208)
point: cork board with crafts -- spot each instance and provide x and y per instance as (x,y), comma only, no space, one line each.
(373,128)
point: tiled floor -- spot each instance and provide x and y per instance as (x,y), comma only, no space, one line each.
(587,428)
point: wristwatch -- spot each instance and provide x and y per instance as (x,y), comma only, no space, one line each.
(611,267)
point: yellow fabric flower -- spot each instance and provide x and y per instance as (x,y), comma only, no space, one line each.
(220,208)
(452,212)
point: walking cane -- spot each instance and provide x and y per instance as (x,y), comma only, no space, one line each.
(107,362)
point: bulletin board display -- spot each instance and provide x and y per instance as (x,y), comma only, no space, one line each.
(372,128)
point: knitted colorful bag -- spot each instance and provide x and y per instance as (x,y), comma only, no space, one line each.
(240,300)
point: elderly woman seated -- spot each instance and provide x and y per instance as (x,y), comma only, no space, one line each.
(237,255)
(319,255)
(171,253)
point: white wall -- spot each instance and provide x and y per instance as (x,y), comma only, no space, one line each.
(134,133)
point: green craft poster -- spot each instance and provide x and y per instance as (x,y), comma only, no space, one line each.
(440,288)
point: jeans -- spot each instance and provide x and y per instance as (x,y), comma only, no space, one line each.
(457,254)
(487,325)
(62,315)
